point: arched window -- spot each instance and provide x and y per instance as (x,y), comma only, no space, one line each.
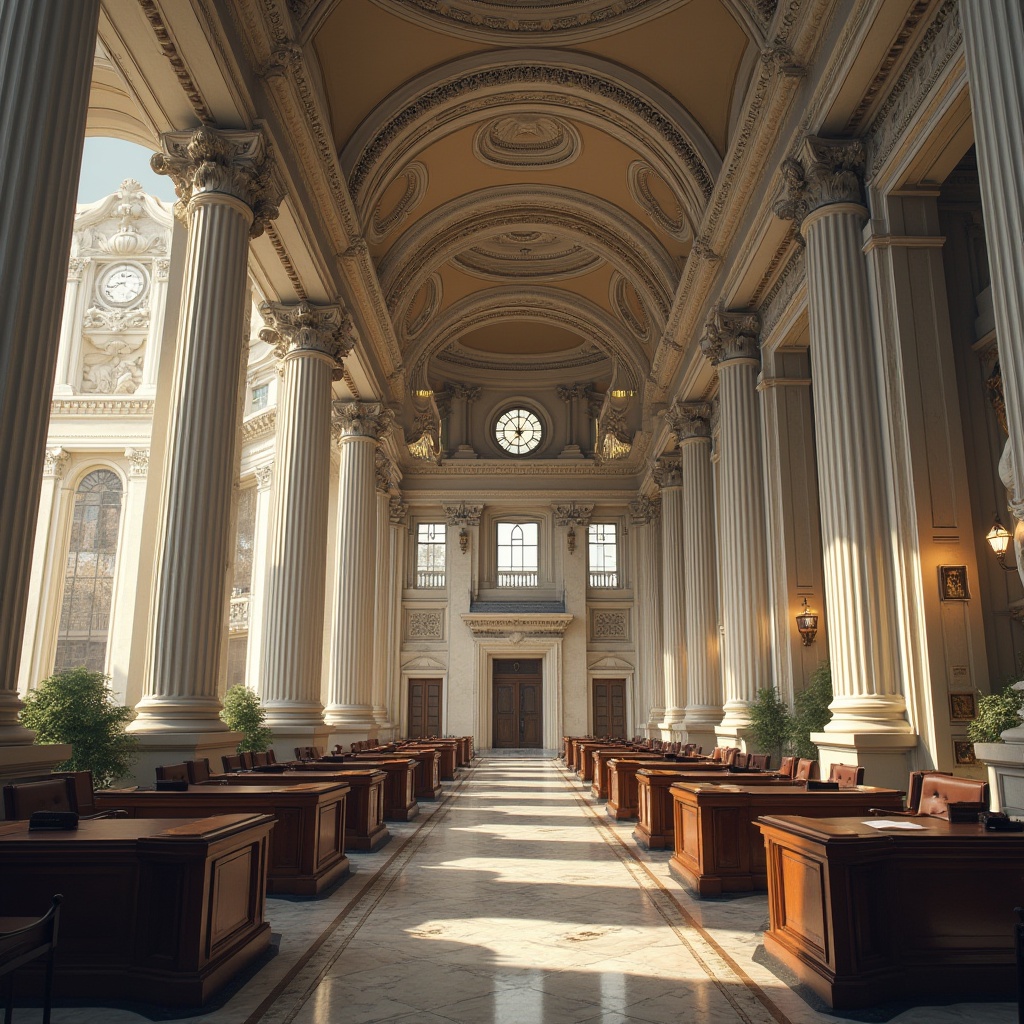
(517,554)
(89,573)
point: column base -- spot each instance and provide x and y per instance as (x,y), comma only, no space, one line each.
(740,735)
(173,746)
(703,734)
(386,728)
(162,715)
(464,451)
(571,451)
(21,760)
(1005,765)
(884,755)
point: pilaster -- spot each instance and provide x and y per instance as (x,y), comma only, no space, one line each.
(645,523)
(669,475)
(258,591)
(381,612)
(461,571)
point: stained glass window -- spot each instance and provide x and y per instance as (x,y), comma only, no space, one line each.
(89,573)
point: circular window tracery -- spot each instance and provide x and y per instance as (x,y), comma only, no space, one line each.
(518,431)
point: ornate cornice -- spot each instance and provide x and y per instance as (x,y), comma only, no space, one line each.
(510,624)
(689,419)
(360,419)
(101,407)
(462,514)
(730,334)
(573,514)
(781,293)
(644,510)
(303,327)
(829,171)
(255,428)
(208,161)
(181,72)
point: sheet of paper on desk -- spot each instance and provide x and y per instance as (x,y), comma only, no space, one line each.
(888,823)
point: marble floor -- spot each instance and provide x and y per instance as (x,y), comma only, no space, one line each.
(514,900)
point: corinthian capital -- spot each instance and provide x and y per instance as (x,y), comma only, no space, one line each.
(234,163)
(729,334)
(304,327)
(828,171)
(361,419)
(668,471)
(644,510)
(689,419)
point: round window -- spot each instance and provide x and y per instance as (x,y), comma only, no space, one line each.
(518,431)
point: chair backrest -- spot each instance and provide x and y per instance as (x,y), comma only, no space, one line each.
(23,799)
(807,769)
(718,753)
(271,756)
(847,775)
(198,770)
(231,762)
(259,758)
(740,760)
(307,753)
(761,762)
(179,772)
(938,791)
(729,754)
(787,766)
(22,945)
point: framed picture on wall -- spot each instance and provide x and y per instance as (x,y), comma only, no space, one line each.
(953,583)
(962,707)
(963,752)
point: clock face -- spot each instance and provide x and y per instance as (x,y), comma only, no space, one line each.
(123,284)
(518,431)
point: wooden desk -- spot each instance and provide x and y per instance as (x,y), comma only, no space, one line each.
(623,789)
(655,822)
(446,756)
(428,777)
(863,916)
(600,785)
(364,810)
(157,911)
(399,787)
(718,844)
(585,756)
(306,849)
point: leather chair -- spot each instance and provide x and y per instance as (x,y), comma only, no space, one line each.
(271,756)
(729,755)
(847,775)
(231,762)
(259,758)
(198,770)
(787,767)
(740,760)
(59,793)
(806,770)
(935,791)
(22,943)
(307,753)
(246,757)
(759,761)
(177,772)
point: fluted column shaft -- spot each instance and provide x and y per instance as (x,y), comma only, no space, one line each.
(673,620)
(382,617)
(854,518)
(993,43)
(221,175)
(703,677)
(296,577)
(645,515)
(731,342)
(46,54)
(350,698)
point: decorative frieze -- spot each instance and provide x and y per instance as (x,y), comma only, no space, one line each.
(496,624)
(462,514)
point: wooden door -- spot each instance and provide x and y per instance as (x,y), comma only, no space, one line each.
(424,708)
(609,707)
(518,703)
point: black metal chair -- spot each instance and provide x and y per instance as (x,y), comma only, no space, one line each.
(21,943)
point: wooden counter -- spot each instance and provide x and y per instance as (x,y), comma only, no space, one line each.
(600,785)
(623,789)
(428,773)
(364,811)
(718,844)
(156,911)
(863,916)
(585,756)
(399,787)
(307,845)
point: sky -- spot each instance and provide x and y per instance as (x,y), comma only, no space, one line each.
(107,162)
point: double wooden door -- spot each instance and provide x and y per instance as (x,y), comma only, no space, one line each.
(424,708)
(517,693)
(609,707)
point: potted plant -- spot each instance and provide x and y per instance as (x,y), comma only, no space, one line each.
(771,723)
(997,712)
(76,706)
(244,713)
(811,711)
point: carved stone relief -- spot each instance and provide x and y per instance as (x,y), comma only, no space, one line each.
(609,624)
(424,625)
(527,140)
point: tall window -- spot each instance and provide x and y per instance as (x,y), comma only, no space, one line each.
(260,397)
(517,554)
(89,573)
(603,554)
(430,553)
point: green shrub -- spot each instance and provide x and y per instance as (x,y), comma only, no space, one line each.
(244,713)
(77,707)
(771,723)
(810,711)
(997,712)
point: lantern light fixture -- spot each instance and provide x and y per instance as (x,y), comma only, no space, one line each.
(807,624)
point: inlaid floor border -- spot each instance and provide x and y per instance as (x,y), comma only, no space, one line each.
(671,909)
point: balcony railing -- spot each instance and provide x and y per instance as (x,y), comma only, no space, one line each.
(430,579)
(517,579)
(604,578)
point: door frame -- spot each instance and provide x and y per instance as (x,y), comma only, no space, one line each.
(549,650)
(537,680)
(626,672)
(421,667)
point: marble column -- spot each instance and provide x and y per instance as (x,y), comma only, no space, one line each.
(358,426)
(462,396)
(398,514)
(258,588)
(222,181)
(385,470)
(691,423)
(868,710)
(573,395)
(730,341)
(311,342)
(645,528)
(464,691)
(46,56)
(65,378)
(673,594)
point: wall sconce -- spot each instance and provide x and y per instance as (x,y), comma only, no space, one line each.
(463,540)
(571,539)
(998,538)
(807,623)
